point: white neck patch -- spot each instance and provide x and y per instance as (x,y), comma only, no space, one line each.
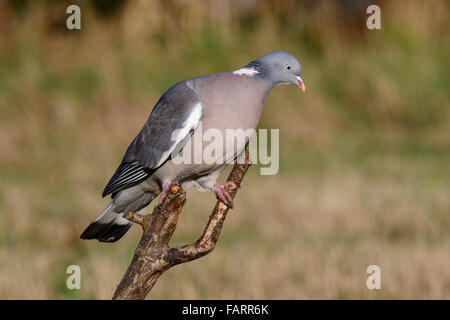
(246,72)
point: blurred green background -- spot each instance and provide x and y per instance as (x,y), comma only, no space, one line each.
(365,154)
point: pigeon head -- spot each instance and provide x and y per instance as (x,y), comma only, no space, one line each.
(278,68)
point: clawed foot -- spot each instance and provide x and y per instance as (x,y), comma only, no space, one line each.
(222,193)
(164,191)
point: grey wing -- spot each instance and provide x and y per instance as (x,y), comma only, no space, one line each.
(168,128)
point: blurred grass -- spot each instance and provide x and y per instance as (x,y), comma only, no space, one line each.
(365,153)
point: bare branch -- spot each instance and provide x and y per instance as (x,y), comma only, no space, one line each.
(153,255)
(135,217)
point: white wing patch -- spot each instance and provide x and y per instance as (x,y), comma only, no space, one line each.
(191,123)
(246,72)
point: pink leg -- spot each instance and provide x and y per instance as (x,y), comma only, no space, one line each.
(164,193)
(222,193)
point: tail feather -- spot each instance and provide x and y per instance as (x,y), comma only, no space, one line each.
(105,232)
(110,226)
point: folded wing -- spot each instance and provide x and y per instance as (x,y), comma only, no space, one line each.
(168,128)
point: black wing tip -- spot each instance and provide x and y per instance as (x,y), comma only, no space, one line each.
(105,232)
(114,190)
(127,175)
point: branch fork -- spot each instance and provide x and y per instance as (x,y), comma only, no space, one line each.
(153,255)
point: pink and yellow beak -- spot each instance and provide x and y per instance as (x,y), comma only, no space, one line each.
(301,84)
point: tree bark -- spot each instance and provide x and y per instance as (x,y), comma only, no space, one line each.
(153,255)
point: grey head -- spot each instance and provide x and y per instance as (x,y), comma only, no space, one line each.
(277,67)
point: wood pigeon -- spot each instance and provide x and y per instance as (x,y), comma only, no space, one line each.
(221,102)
